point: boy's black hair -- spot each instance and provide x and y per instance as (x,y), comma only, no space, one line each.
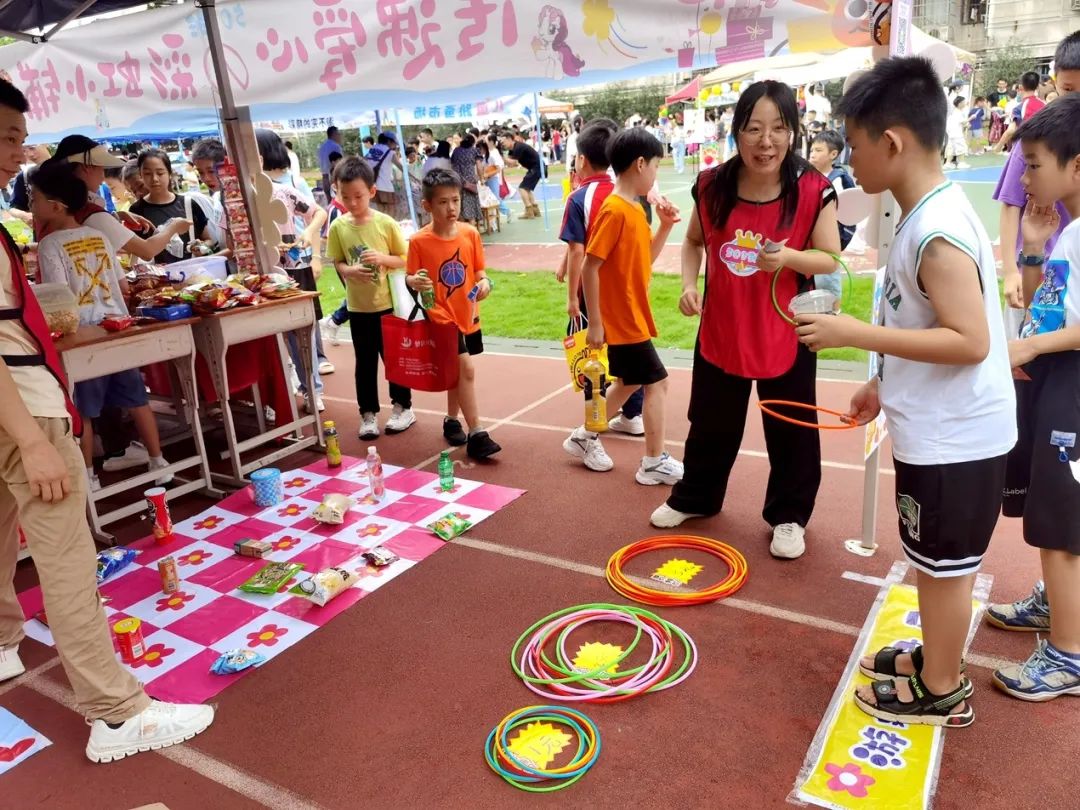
(593,141)
(628,145)
(332,157)
(427,131)
(386,139)
(211,149)
(57,180)
(12,97)
(1067,55)
(354,168)
(1030,81)
(440,178)
(956,102)
(899,91)
(979,98)
(1054,126)
(831,138)
(369,140)
(288,144)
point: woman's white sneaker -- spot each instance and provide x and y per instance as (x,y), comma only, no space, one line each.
(662,470)
(159,725)
(664,517)
(788,541)
(586,446)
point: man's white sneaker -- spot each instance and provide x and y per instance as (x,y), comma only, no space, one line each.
(11,666)
(369,426)
(400,420)
(159,725)
(586,446)
(330,330)
(326,367)
(664,470)
(664,517)
(633,425)
(788,541)
(134,456)
(157,464)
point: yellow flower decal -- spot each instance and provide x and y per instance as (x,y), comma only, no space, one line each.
(598,18)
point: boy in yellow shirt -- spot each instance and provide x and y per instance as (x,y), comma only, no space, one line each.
(364,244)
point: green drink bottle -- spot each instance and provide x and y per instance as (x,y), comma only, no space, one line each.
(446,472)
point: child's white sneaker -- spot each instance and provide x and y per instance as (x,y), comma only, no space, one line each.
(586,446)
(330,330)
(401,419)
(369,426)
(159,725)
(664,517)
(158,464)
(134,456)
(11,666)
(788,541)
(662,470)
(631,425)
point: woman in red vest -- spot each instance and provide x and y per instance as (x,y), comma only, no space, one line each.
(765,195)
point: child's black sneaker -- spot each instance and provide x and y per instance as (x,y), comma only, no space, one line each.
(481,445)
(452,432)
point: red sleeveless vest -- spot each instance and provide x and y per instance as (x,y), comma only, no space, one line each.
(33,320)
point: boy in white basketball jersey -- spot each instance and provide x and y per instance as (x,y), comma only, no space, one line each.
(945,383)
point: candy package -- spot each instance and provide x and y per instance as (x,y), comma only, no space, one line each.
(380,556)
(252,548)
(328,583)
(450,526)
(236,661)
(117,323)
(271,577)
(332,509)
(112,560)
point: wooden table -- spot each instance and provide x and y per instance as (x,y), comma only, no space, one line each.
(215,333)
(94,352)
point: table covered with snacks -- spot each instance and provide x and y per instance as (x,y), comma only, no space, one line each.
(92,352)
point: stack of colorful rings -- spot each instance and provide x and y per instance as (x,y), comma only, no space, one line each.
(526,775)
(673,656)
(736,564)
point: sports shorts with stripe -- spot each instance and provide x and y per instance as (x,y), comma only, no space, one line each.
(947,513)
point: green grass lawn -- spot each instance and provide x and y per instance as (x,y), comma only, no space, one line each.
(533,306)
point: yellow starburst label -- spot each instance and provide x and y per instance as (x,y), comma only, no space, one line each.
(595,656)
(538,744)
(677,572)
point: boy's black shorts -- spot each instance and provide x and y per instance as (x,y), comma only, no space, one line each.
(471,344)
(1042,482)
(636,363)
(948,512)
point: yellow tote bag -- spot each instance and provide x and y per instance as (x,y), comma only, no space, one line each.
(577,351)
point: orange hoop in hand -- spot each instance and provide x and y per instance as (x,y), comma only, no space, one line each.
(766,404)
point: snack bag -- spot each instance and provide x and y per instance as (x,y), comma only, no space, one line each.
(380,557)
(449,527)
(328,583)
(112,560)
(332,509)
(236,661)
(271,577)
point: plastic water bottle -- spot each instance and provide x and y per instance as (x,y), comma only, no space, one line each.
(375,473)
(446,472)
(595,394)
(427,297)
(333,444)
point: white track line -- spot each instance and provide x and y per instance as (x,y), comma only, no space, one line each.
(246,784)
(877,582)
(29,675)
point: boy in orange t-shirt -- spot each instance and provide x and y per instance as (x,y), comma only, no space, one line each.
(618,265)
(447,256)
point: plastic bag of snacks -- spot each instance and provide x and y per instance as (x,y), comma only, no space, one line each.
(328,583)
(59,306)
(332,509)
(236,661)
(112,560)
(271,577)
(450,526)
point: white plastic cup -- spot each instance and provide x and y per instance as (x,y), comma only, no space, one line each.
(813,302)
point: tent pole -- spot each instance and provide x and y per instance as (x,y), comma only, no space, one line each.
(405,169)
(75,13)
(543,166)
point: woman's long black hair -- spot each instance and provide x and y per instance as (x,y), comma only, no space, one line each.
(725,186)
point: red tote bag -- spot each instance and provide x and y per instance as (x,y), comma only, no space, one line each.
(421,355)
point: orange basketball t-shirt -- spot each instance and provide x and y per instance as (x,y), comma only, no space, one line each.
(452,264)
(621,238)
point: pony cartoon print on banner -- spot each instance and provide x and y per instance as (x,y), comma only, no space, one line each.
(303,59)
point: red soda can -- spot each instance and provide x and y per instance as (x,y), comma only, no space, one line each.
(159,514)
(170,579)
(129,639)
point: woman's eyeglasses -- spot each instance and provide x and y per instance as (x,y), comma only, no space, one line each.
(776,135)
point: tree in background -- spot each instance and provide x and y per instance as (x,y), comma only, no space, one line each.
(1008,62)
(618,101)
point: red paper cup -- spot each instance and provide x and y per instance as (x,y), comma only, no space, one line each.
(159,514)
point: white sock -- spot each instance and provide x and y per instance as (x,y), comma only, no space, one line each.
(90,472)
(651,460)
(156,459)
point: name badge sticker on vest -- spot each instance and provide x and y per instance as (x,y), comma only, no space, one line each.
(740,254)
(1063,441)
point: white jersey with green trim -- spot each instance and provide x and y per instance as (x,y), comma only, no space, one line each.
(942,414)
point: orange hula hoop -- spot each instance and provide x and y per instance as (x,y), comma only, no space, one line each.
(736,563)
(766,404)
